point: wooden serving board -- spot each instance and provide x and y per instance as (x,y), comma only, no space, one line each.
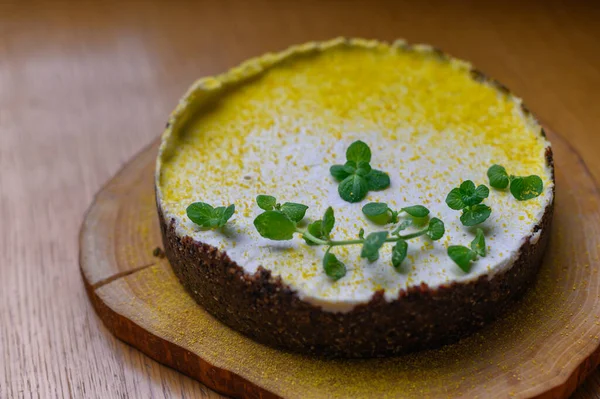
(544,347)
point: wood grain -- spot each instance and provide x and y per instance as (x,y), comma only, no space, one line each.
(543,348)
(86,85)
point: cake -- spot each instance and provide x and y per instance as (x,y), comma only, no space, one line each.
(275,126)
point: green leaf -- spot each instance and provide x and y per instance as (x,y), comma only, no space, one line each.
(377,180)
(482,192)
(353,189)
(229,211)
(471,195)
(200,213)
(204,215)
(399,252)
(361,234)
(418,211)
(401,226)
(373,242)
(525,188)
(475,215)
(334,269)
(377,212)
(478,243)
(315,229)
(435,230)
(221,215)
(467,187)
(339,172)
(358,151)
(266,202)
(216,216)
(328,222)
(375,209)
(275,225)
(462,256)
(350,167)
(294,211)
(363,168)
(498,176)
(454,199)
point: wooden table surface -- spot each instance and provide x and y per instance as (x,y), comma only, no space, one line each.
(86,85)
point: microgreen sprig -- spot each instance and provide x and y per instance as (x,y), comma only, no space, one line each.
(292,210)
(276,225)
(521,187)
(468,198)
(204,215)
(463,256)
(380,213)
(356,177)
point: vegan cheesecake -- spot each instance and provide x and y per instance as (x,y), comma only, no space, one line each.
(275,125)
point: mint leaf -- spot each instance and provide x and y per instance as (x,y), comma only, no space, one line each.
(418,211)
(498,176)
(475,215)
(294,211)
(378,213)
(266,202)
(229,211)
(478,243)
(316,230)
(334,269)
(454,199)
(204,215)
(275,225)
(482,192)
(353,189)
(401,226)
(371,245)
(356,176)
(472,196)
(200,213)
(377,180)
(328,222)
(467,187)
(350,167)
(525,188)
(462,256)
(375,209)
(358,151)
(436,229)
(221,215)
(399,252)
(363,168)
(339,172)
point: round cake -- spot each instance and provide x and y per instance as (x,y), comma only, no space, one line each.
(288,127)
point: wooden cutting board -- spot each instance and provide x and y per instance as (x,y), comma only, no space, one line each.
(544,347)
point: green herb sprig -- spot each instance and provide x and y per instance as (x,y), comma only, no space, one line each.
(381,214)
(292,210)
(356,177)
(521,187)
(464,256)
(468,198)
(276,225)
(208,217)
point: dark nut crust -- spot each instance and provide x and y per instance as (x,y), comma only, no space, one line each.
(266,309)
